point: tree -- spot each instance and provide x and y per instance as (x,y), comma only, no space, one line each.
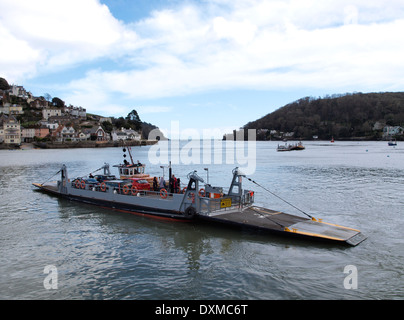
(344,116)
(120,122)
(107,126)
(58,102)
(133,120)
(4,84)
(47,97)
(133,116)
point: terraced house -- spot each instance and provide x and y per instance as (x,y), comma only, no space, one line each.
(10,130)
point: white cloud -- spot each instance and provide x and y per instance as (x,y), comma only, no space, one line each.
(16,56)
(212,53)
(51,34)
(343,45)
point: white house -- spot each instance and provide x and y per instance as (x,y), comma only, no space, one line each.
(77,112)
(62,133)
(389,131)
(18,91)
(51,112)
(68,133)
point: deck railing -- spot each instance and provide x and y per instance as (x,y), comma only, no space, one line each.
(207,206)
(211,206)
(120,189)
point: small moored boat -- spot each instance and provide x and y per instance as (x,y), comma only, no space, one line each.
(392,143)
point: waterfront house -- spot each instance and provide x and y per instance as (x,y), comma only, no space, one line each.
(98,134)
(68,133)
(41,132)
(27,134)
(82,136)
(64,133)
(11,130)
(125,134)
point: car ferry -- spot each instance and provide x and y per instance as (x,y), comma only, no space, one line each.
(199,201)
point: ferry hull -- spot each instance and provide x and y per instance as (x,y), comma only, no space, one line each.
(135,209)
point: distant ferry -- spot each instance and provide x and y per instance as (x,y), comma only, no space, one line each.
(290,147)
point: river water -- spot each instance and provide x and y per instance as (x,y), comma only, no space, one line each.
(105,254)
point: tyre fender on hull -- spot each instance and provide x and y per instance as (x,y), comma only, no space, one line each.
(190,211)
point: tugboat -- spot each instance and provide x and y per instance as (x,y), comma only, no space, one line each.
(198,201)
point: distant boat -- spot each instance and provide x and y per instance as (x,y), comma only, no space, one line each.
(283,148)
(290,147)
(392,143)
(298,146)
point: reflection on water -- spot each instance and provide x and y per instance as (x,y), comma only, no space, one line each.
(108,254)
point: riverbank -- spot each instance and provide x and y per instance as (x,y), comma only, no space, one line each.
(76,144)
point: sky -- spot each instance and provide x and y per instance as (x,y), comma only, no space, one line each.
(205,64)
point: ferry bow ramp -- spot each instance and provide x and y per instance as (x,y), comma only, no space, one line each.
(277,222)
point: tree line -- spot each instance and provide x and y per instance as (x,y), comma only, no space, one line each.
(344,116)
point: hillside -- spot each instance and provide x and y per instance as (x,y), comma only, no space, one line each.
(348,116)
(31,113)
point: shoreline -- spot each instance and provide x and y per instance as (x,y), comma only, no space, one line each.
(98,144)
(75,145)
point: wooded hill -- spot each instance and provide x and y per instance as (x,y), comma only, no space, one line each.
(347,116)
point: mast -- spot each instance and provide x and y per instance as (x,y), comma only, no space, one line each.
(130,155)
